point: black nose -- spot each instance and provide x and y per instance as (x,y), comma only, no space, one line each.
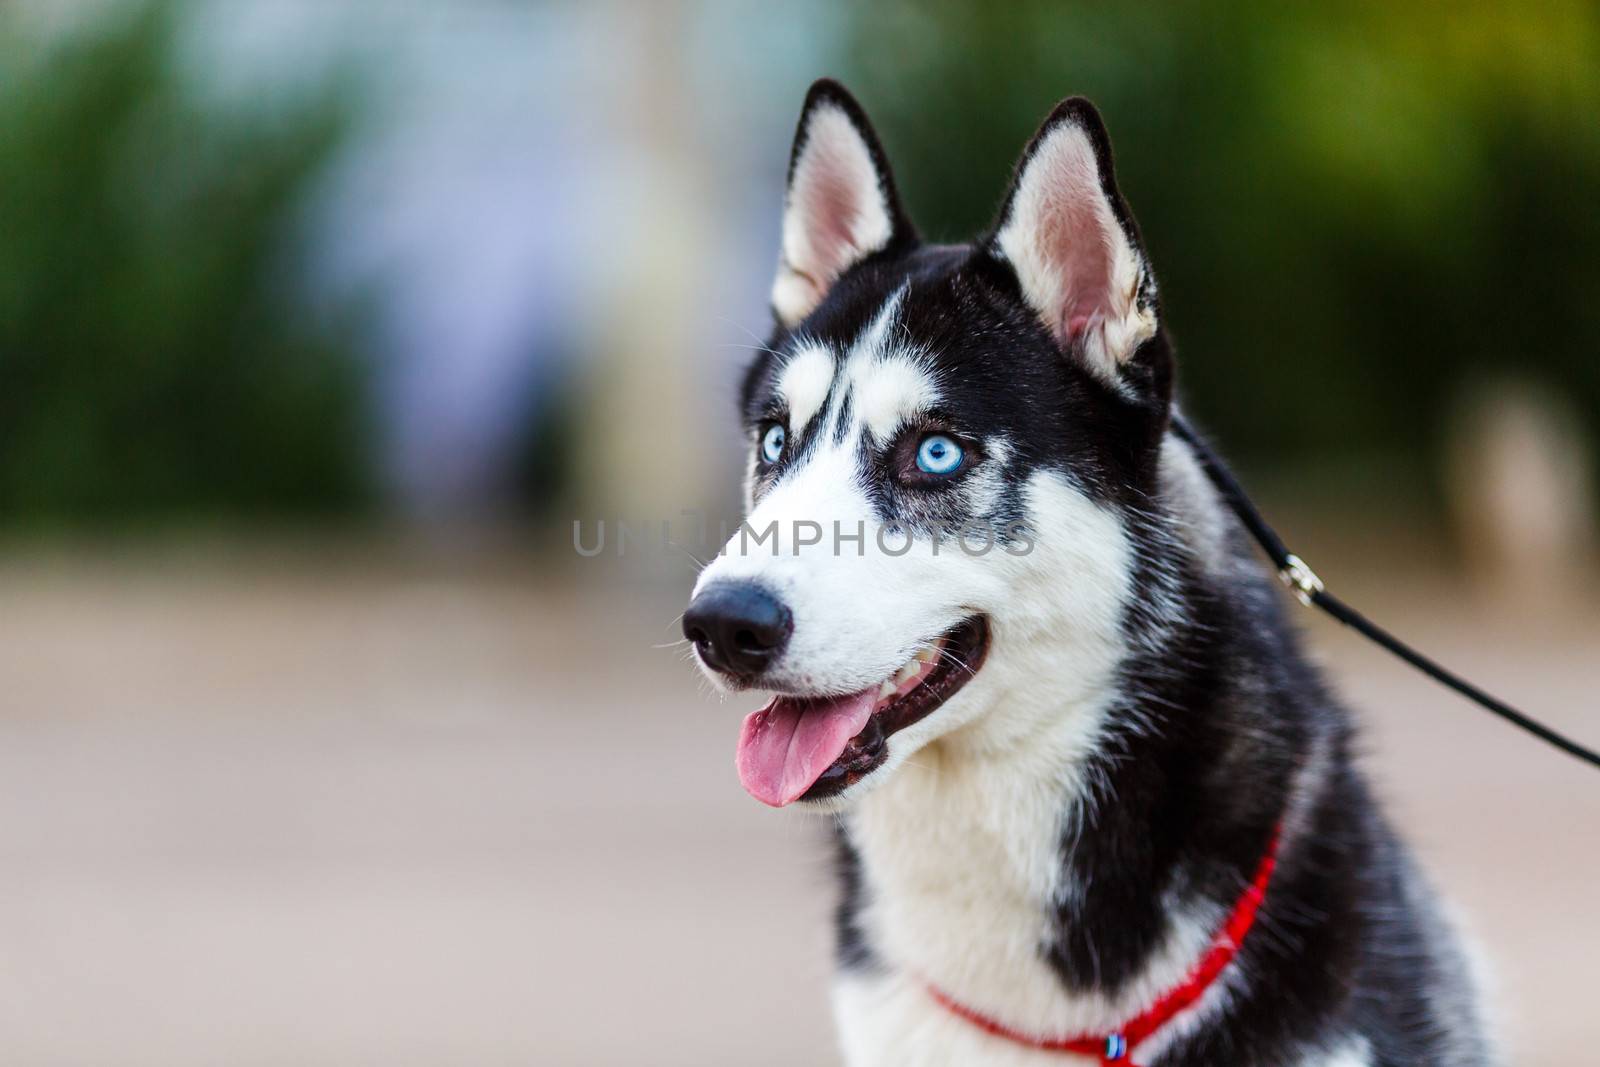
(739,627)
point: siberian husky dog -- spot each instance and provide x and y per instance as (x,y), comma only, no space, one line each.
(1092,802)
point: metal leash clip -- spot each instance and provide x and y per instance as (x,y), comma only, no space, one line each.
(1301,578)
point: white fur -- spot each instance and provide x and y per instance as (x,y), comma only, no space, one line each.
(1191,494)
(803,384)
(835,213)
(887,381)
(888,1020)
(1356,1053)
(1483,984)
(1075,263)
(889,391)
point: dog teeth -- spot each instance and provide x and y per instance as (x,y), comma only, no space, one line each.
(924,658)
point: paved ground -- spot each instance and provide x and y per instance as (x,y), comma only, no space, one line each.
(274,813)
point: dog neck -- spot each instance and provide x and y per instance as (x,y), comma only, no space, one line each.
(966,869)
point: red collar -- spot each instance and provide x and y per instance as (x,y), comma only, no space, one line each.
(1120,1042)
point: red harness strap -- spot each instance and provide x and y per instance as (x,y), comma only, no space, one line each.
(1118,1044)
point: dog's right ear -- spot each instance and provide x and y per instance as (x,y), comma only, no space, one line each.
(841,205)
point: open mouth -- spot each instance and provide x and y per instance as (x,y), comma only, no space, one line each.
(808,748)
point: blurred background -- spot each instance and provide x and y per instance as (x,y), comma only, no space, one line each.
(320,324)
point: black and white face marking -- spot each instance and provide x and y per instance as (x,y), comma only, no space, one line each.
(875,405)
(1012,392)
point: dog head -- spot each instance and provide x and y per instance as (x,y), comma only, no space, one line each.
(947,448)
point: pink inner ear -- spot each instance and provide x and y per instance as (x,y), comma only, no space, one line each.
(1085,266)
(835,213)
(831,204)
(1073,236)
(1065,236)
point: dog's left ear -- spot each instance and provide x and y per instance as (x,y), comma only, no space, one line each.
(1073,245)
(841,205)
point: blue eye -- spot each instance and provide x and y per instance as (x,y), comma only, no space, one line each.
(772,443)
(938,454)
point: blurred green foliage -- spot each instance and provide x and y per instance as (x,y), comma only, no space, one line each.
(153,361)
(1353,210)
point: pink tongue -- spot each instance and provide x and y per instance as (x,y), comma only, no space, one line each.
(785,747)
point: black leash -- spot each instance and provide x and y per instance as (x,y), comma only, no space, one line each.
(1309,588)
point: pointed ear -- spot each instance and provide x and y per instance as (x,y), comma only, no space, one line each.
(1075,249)
(841,205)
